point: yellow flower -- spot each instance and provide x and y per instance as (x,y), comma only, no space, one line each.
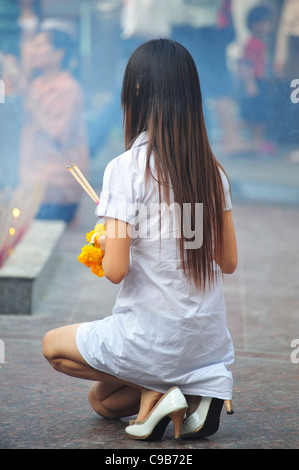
(89,235)
(91,254)
(99,229)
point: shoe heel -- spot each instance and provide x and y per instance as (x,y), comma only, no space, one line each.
(229,407)
(177,419)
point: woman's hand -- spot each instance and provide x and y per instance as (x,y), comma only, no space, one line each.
(101,241)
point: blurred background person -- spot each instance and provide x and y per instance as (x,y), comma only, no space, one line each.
(240,12)
(11,109)
(106,32)
(206,29)
(122,25)
(145,19)
(29,17)
(53,133)
(255,78)
(286,58)
(10,117)
(28,21)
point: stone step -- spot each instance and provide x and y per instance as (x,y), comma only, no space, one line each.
(25,274)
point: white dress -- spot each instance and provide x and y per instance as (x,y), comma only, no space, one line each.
(162,331)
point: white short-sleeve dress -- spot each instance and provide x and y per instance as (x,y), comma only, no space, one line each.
(162,331)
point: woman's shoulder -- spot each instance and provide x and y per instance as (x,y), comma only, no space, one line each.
(120,163)
(132,160)
(226,188)
(224,176)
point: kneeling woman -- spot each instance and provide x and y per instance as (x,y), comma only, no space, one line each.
(165,351)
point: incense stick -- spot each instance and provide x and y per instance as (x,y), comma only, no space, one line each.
(74,165)
(77,174)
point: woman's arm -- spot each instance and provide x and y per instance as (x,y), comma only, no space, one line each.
(115,245)
(228,261)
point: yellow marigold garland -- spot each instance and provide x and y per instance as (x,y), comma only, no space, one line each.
(91,254)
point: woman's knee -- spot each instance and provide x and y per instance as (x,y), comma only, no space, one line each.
(49,349)
(61,343)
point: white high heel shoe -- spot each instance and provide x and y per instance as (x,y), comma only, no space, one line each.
(205,420)
(171,406)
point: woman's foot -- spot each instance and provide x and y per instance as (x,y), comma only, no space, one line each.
(147,402)
(193,403)
(171,406)
(204,420)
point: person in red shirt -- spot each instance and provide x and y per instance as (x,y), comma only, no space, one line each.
(254,74)
(53,133)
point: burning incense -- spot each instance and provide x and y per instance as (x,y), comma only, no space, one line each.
(18,207)
(78,175)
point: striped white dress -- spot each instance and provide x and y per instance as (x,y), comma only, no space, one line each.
(162,331)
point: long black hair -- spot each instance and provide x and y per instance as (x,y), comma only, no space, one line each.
(161,95)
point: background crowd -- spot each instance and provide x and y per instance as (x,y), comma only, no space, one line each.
(62,65)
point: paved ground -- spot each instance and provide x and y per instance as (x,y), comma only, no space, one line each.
(40,408)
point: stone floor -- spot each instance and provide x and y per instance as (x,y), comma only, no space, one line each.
(42,409)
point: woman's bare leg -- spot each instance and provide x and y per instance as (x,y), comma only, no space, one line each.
(109,396)
(193,402)
(148,400)
(114,401)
